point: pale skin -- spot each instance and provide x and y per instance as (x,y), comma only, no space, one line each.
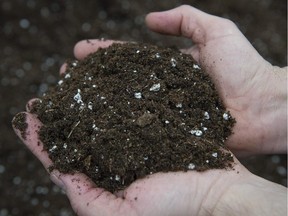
(252,89)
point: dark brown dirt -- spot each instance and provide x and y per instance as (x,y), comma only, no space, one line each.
(131,110)
(19,122)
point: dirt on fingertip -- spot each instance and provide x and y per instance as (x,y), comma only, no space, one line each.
(19,123)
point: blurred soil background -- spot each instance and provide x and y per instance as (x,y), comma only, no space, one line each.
(37,36)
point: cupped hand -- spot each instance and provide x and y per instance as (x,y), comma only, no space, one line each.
(252,89)
(174,193)
(214,192)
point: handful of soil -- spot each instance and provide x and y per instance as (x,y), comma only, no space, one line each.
(131,110)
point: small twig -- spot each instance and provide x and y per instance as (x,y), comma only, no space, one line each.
(73,129)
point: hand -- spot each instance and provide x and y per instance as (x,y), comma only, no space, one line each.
(215,192)
(253,90)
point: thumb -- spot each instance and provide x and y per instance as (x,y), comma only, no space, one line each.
(190,22)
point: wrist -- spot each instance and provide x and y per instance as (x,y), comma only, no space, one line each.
(253,196)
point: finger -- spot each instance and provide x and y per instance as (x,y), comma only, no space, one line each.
(85,47)
(190,22)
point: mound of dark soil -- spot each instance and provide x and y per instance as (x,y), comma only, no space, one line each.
(132,110)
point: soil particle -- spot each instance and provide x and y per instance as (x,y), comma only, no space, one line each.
(145,119)
(132,110)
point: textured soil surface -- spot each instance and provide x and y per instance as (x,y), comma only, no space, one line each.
(37,36)
(132,110)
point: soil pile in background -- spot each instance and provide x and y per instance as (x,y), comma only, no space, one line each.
(132,110)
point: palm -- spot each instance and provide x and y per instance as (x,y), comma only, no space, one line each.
(178,193)
(235,67)
(174,193)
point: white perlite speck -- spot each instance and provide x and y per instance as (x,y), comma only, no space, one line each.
(179,105)
(117,178)
(74,64)
(155,87)
(138,95)
(53,148)
(191,166)
(138,51)
(226,116)
(167,122)
(67,76)
(196,132)
(206,115)
(215,154)
(90,106)
(173,62)
(60,82)
(78,97)
(195,66)
(95,127)
(157,55)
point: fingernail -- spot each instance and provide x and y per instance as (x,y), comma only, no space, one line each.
(19,123)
